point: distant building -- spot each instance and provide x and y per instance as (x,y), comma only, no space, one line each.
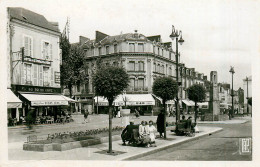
(144,57)
(34,63)
(247,92)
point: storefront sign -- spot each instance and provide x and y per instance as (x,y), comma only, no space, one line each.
(49,103)
(57,77)
(26,88)
(36,61)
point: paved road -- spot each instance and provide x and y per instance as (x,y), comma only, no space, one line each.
(221,146)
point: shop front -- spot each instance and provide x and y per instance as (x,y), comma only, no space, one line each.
(141,102)
(41,101)
(14,105)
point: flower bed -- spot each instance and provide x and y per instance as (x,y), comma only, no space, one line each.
(70,140)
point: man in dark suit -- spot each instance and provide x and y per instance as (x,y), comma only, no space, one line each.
(127,133)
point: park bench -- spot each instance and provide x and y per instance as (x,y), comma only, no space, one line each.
(185,127)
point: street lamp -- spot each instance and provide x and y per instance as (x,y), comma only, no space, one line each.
(175,35)
(247,95)
(232,91)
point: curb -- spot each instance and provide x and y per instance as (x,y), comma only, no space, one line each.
(167,146)
(226,123)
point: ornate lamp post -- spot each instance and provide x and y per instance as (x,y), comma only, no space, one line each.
(175,35)
(232,91)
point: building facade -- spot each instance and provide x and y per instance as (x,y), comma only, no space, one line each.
(34,61)
(144,58)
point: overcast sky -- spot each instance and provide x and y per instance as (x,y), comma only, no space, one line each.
(217,33)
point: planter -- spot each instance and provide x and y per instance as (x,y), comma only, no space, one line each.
(125,112)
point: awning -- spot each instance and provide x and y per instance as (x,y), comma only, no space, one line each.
(12,100)
(45,100)
(130,99)
(69,99)
(188,102)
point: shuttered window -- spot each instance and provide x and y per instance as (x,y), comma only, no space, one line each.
(35,74)
(28,74)
(28,46)
(46,81)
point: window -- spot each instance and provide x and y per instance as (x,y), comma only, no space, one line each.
(78,86)
(46,76)
(107,49)
(131,47)
(99,51)
(141,65)
(170,55)
(170,71)
(132,83)
(86,87)
(140,83)
(131,66)
(162,69)
(158,51)
(162,52)
(140,47)
(154,49)
(158,68)
(27,73)
(28,46)
(46,51)
(154,67)
(115,48)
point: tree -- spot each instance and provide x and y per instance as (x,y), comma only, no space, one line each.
(73,69)
(110,81)
(250,101)
(196,93)
(165,88)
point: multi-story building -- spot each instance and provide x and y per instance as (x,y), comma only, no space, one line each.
(144,58)
(34,62)
(247,85)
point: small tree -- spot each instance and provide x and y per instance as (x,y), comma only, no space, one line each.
(110,81)
(197,93)
(165,88)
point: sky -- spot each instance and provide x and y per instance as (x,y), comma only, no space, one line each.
(217,33)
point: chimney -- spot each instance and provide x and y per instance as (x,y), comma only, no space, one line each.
(82,40)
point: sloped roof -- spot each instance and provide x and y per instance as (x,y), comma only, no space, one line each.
(32,18)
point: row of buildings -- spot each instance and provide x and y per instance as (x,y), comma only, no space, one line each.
(34,59)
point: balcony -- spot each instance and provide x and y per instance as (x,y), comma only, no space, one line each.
(28,82)
(137,90)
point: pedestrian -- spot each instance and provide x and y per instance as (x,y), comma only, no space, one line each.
(229,113)
(152,131)
(86,113)
(160,123)
(137,114)
(127,133)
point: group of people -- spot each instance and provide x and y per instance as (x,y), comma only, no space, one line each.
(146,133)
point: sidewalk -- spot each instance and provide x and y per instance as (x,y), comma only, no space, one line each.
(236,120)
(98,152)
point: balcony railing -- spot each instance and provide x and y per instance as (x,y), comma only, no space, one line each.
(46,84)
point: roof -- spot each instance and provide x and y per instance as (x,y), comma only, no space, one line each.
(116,38)
(32,18)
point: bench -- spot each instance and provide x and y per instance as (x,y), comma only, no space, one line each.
(185,128)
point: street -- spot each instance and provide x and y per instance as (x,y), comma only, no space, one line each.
(221,146)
